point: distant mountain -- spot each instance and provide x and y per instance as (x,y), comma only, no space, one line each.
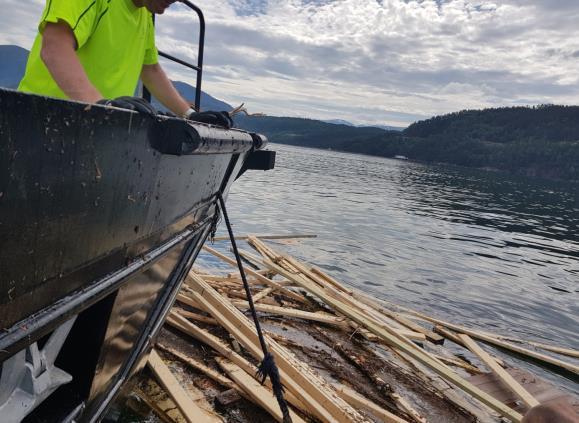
(12,65)
(345,122)
(207,102)
(386,127)
(309,132)
(339,122)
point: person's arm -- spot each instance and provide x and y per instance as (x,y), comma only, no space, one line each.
(156,81)
(59,55)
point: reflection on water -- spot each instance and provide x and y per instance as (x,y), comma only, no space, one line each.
(471,246)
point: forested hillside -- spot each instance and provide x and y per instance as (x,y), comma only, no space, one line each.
(536,141)
(308,132)
(504,125)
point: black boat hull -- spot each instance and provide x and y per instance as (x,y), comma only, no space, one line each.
(102,214)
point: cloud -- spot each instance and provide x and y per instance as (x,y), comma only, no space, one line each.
(19,20)
(370,61)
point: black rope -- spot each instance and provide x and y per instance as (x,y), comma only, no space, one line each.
(215,223)
(267,367)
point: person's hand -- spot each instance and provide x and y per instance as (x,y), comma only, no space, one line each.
(213,118)
(130,103)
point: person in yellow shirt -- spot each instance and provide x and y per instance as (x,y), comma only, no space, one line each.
(94,50)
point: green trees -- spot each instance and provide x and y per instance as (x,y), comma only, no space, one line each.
(536,141)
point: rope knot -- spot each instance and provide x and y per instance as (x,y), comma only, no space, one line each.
(268,368)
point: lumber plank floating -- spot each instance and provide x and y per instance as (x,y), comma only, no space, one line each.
(216,301)
(543,391)
(191,411)
(563,351)
(416,333)
(395,341)
(454,338)
(443,387)
(185,299)
(298,314)
(296,375)
(330,280)
(497,340)
(501,373)
(430,335)
(197,317)
(302,399)
(457,362)
(506,345)
(225,350)
(219,278)
(408,409)
(257,275)
(272,237)
(260,395)
(194,364)
(357,400)
(298,271)
(160,402)
(262,294)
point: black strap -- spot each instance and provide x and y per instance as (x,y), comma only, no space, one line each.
(267,366)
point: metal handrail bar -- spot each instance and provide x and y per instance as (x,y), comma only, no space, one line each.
(177,60)
(199,67)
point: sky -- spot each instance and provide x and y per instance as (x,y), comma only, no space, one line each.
(387,62)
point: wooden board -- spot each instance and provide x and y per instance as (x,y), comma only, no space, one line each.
(454,338)
(182,298)
(197,365)
(224,350)
(430,335)
(501,373)
(357,400)
(396,341)
(273,237)
(298,314)
(301,271)
(196,317)
(260,395)
(191,411)
(155,397)
(482,413)
(491,339)
(542,390)
(403,404)
(323,277)
(457,362)
(296,376)
(262,294)
(257,275)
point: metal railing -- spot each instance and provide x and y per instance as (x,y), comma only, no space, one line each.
(199,67)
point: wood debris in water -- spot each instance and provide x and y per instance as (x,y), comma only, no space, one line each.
(343,356)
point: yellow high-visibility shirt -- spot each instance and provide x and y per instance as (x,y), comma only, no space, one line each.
(114,40)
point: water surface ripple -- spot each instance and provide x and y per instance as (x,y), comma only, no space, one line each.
(473,247)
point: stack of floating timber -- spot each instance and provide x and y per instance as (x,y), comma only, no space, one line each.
(343,356)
